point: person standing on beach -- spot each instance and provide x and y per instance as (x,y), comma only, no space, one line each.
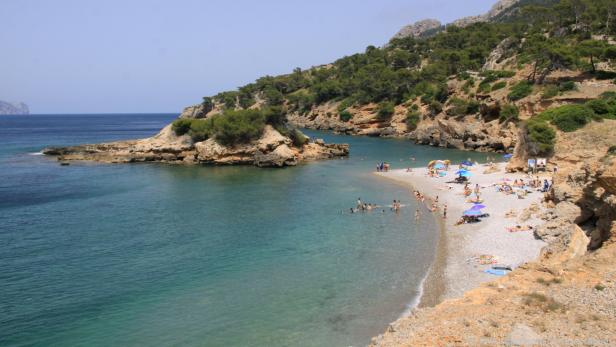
(416,215)
(445,211)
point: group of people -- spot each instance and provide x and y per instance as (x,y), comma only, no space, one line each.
(382,167)
(363,207)
(432,207)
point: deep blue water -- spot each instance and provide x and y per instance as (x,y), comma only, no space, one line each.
(150,254)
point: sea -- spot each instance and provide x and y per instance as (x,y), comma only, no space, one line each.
(165,255)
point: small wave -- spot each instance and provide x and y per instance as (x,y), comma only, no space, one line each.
(36,153)
(416,300)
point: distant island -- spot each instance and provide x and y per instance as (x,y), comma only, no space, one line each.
(7,108)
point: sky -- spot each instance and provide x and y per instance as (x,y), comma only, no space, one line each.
(157,56)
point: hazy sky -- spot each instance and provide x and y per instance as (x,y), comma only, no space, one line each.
(91,56)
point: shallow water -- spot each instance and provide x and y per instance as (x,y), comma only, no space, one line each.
(149,254)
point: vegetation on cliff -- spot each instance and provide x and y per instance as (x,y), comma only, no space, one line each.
(534,37)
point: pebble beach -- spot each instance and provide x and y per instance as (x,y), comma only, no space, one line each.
(465,251)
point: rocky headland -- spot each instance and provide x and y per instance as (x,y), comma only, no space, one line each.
(7,108)
(270,150)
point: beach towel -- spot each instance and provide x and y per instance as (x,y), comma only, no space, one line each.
(496,272)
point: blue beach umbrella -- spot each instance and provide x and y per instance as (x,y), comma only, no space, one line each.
(508,156)
(439,166)
(467,163)
(472,212)
(466,174)
(461,172)
(478,207)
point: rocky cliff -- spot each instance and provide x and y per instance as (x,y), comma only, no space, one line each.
(270,150)
(7,108)
(427,26)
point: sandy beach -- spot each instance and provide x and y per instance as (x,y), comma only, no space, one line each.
(457,268)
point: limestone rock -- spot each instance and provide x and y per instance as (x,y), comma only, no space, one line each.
(417,29)
(523,335)
(281,156)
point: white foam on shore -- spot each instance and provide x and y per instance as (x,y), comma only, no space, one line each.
(36,153)
(420,292)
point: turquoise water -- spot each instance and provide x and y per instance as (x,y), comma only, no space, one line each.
(148,254)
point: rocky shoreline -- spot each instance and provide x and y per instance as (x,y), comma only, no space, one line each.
(270,150)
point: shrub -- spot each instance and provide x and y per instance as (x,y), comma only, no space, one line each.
(520,91)
(542,136)
(273,96)
(499,85)
(509,113)
(181,126)
(299,139)
(550,91)
(608,95)
(569,117)
(208,104)
(498,73)
(435,107)
(599,106)
(234,127)
(274,115)
(567,86)
(461,107)
(346,103)
(412,119)
(484,88)
(345,116)
(201,129)
(386,110)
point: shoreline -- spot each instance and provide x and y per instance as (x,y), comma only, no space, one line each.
(451,274)
(432,287)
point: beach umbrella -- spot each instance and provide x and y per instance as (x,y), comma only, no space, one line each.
(473,213)
(466,174)
(439,166)
(466,163)
(461,172)
(478,207)
(508,156)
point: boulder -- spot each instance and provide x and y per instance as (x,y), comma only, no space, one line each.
(281,156)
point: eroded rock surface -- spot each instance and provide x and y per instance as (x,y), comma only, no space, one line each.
(270,150)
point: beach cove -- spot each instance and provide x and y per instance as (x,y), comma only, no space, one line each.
(466,250)
(146,252)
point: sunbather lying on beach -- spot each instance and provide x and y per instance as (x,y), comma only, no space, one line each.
(518,228)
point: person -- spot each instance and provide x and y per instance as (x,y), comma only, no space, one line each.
(477,190)
(436,200)
(359,203)
(546,186)
(445,211)
(417,215)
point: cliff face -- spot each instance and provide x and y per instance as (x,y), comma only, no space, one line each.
(470,133)
(270,150)
(13,109)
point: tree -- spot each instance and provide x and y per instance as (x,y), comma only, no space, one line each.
(207,104)
(592,49)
